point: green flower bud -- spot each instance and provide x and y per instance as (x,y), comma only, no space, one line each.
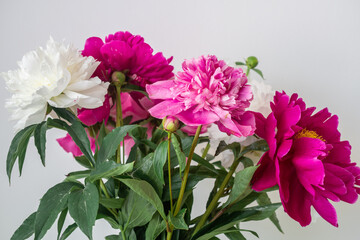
(252,62)
(170,124)
(118,78)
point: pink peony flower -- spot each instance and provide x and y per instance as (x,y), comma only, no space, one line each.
(92,116)
(129,53)
(207,91)
(306,159)
(68,144)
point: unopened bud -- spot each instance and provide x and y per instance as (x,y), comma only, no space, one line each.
(252,62)
(118,78)
(170,124)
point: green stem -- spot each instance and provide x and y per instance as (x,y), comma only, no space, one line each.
(107,195)
(186,172)
(247,70)
(123,234)
(217,196)
(119,119)
(169,173)
(184,180)
(206,150)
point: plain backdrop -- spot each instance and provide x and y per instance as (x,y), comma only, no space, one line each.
(309,47)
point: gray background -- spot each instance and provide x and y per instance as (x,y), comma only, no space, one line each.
(310,47)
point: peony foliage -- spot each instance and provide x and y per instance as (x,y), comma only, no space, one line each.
(144,137)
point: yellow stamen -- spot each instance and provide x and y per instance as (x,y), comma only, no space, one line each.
(309,134)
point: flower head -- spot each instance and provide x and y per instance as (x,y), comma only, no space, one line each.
(306,159)
(207,91)
(128,53)
(57,75)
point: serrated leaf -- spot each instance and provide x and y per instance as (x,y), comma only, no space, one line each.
(112,141)
(137,211)
(68,231)
(52,203)
(258,72)
(83,206)
(179,153)
(160,156)
(26,229)
(262,200)
(178,220)
(18,148)
(40,140)
(155,227)
(241,184)
(145,190)
(109,169)
(61,221)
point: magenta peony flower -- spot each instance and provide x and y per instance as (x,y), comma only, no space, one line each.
(93,116)
(306,159)
(207,91)
(129,53)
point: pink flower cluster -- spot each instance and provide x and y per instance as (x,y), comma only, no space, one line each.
(306,159)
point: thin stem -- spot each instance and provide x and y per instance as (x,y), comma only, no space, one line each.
(247,71)
(217,196)
(184,179)
(107,195)
(119,120)
(186,172)
(169,173)
(206,150)
(123,234)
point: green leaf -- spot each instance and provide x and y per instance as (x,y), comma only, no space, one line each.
(241,184)
(240,63)
(114,237)
(178,220)
(80,137)
(262,200)
(77,175)
(109,169)
(52,203)
(83,206)
(160,157)
(83,161)
(259,72)
(26,229)
(69,230)
(136,211)
(145,190)
(112,141)
(61,221)
(180,155)
(155,227)
(65,114)
(263,212)
(18,148)
(234,147)
(222,224)
(260,145)
(112,202)
(40,140)
(134,88)
(234,235)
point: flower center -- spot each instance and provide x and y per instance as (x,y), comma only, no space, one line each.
(309,134)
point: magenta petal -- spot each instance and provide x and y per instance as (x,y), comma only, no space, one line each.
(131,108)
(198,118)
(325,209)
(166,108)
(117,54)
(69,145)
(92,48)
(264,176)
(309,168)
(93,116)
(160,90)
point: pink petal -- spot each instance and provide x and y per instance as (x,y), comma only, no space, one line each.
(160,90)
(325,209)
(166,108)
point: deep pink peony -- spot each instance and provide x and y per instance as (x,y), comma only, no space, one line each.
(306,159)
(207,91)
(129,53)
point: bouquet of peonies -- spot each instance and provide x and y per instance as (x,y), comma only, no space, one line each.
(134,127)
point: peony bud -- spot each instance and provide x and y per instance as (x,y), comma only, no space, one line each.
(118,78)
(252,62)
(170,124)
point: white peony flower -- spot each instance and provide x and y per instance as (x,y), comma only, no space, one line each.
(59,76)
(262,96)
